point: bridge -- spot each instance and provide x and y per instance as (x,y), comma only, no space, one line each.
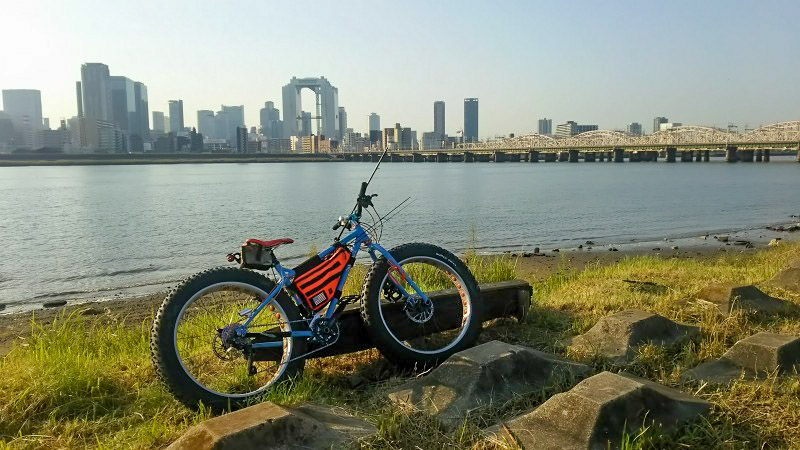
(695,143)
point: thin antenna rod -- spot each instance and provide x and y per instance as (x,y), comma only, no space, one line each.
(376,166)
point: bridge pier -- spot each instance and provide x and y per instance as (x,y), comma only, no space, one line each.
(417,157)
(482,157)
(375,157)
(513,157)
(759,155)
(687,155)
(533,156)
(671,151)
(601,156)
(634,157)
(499,157)
(698,157)
(766,155)
(653,155)
(747,155)
(589,156)
(731,154)
(550,157)
(610,156)
(573,155)
(706,155)
(798,153)
(469,157)
(457,157)
(619,155)
(563,156)
(442,157)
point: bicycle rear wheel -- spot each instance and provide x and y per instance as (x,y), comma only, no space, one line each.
(199,356)
(421,335)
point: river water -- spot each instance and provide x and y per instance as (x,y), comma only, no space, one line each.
(87,231)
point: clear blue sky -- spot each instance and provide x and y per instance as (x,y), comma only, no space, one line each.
(604,62)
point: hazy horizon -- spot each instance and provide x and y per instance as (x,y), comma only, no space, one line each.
(601,63)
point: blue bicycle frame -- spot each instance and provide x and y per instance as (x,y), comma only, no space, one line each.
(359,238)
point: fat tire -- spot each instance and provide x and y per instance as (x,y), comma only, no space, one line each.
(394,351)
(162,345)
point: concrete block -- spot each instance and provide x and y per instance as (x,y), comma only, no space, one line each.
(619,336)
(488,374)
(596,412)
(267,425)
(755,357)
(728,297)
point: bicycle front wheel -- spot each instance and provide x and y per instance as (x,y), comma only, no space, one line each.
(411,332)
(197,352)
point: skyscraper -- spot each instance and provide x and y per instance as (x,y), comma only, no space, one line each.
(305,123)
(24,108)
(657,123)
(78,91)
(228,119)
(205,123)
(176,116)
(342,122)
(158,122)
(374,122)
(438,119)
(96,92)
(142,125)
(470,120)
(546,126)
(327,106)
(271,126)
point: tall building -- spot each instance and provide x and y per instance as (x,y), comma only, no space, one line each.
(227,120)
(142,125)
(271,125)
(326,109)
(470,120)
(342,122)
(176,124)
(584,128)
(438,119)
(546,126)
(206,124)
(24,109)
(80,98)
(634,129)
(570,128)
(305,123)
(96,92)
(159,126)
(657,123)
(374,122)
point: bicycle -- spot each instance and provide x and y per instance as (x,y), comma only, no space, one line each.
(225,336)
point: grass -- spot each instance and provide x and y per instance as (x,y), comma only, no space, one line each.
(77,384)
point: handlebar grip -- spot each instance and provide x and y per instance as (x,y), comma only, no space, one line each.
(363,191)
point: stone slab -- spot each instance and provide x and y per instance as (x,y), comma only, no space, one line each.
(619,336)
(787,279)
(753,357)
(728,297)
(597,412)
(269,426)
(485,375)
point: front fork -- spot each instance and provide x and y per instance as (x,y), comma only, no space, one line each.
(396,271)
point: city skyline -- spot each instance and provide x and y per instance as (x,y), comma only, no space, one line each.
(622,77)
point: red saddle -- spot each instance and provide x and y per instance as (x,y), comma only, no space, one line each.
(269,244)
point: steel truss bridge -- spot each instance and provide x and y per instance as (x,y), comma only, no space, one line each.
(785,135)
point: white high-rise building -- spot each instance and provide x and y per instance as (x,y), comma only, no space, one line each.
(24,108)
(176,124)
(158,122)
(374,122)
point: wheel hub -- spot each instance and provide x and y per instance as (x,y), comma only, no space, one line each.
(419,311)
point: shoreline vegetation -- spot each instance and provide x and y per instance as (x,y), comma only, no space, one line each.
(97,159)
(73,379)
